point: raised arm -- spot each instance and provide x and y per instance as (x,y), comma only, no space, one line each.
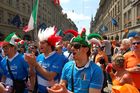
(31,59)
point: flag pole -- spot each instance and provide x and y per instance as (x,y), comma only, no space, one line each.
(32,31)
(36,30)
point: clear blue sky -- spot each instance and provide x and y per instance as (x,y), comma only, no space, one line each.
(80,11)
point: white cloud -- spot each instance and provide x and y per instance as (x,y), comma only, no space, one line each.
(75,16)
(79,19)
(64,1)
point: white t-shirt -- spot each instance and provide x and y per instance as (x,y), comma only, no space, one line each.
(107,45)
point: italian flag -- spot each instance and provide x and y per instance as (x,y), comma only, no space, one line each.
(33,18)
(12,38)
(56,2)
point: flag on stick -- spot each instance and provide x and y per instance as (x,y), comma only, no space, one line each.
(33,18)
(56,2)
(114,22)
(16,21)
(59,33)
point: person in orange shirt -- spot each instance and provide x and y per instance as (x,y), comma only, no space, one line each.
(121,76)
(132,61)
(122,80)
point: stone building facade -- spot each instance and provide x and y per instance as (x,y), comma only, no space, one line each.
(48,13)
(125,12)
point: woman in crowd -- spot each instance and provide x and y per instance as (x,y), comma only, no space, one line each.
(122,79)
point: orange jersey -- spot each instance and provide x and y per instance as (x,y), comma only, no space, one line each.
(116,82)
(130,61)
(126,88)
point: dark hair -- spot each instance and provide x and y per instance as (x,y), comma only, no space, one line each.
(35,46)
(118,44)
(0,50)
(102,48)
(11,45)
(52,47)
(105,37)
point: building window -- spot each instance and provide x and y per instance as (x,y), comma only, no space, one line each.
(9,2)
(10,17)
(17,5)
(129,18)
(124,3)
(115,10)
(23,7)
(138,14)
(125,20)
(129,1)
(129,15)
(1,16)
(119,22)
(29,9)
(138,10)
(119,7)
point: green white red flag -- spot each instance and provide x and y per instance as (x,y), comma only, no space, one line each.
(56,2)
(33,18)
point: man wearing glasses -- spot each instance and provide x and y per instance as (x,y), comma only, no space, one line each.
(81,75)
(132,61)
(13,65)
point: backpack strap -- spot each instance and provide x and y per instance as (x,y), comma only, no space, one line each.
(9,70)
(72,79)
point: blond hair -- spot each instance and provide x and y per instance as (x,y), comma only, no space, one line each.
(119,60)
(126,41)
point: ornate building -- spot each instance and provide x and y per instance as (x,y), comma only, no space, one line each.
(48,14)
(119,16)
(91,25)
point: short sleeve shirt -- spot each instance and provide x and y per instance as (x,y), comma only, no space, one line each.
(89,77)
(52,63)
(19,67)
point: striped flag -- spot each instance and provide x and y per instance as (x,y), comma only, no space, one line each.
(56,2)
(33,18)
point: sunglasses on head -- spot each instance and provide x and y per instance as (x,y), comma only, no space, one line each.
(77,45)
(136,43)
(119,60)
(6,47)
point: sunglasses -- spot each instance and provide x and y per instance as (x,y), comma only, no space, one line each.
(32,48)
(119,60)
(6,47)
(136,43)
(77,45)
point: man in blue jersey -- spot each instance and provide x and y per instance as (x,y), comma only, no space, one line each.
(13,66)
(1,57)
(49,64)
(81,75)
